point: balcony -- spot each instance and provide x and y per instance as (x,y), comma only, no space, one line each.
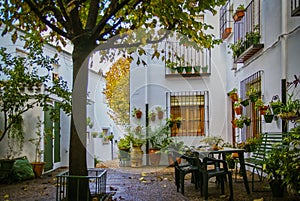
(295,8)
(247,38)
(186,61)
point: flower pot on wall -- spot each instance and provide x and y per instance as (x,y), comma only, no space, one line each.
(160,115)
(226,32)
(239,14)
(234,97)
(268,118)
(238,110)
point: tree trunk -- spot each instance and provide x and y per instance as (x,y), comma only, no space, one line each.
(77,155)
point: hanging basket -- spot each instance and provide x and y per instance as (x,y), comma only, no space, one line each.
(253,98)
(245,102)
(268,118)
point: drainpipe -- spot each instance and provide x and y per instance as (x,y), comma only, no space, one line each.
(284,17)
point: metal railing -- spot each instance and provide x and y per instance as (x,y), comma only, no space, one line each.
(96,180)
(295,7)
(187,56)
(249,23)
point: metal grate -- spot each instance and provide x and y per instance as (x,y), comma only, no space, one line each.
(192,107)
(254,81)
(97,184)
(226,21)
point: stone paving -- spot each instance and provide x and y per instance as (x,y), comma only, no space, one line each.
(133,184)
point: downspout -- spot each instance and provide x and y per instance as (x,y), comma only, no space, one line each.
(284,17)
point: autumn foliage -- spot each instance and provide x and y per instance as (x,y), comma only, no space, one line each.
(117,91)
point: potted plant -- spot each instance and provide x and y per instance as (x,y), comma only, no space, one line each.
(238,122)
(237,48)
(137,139)
(171,65)
(245,102)
(152,116)
(158,139)
(268,116)
(197,69)
(160,112)
(213,141)
(204,69)
(124,150)
(276,106)
(291,110)
(227,31)
(274,167)
(178,121)
(292,162)
(239,13)
(252,93)
(247,120)
(137,112)
(260,105)
(233,94)
(238,108)
(177,146)
(38,165)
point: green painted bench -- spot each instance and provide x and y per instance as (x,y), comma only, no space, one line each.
(257,159)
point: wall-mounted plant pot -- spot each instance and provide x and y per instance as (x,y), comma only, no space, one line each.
(138,114)
(160,115)
(226,32)
(247,122)
(268,118)
(238,110)
(245,102)
(234,97)
(239,14)
(253,98)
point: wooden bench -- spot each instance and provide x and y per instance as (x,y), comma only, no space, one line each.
(257,160)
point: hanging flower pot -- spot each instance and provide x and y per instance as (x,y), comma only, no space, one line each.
(263,110)
(268,118)
(247,121)
(253,98)
(238,110)
(245,102)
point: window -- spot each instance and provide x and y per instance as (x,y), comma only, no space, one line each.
(226,21)
(254,129)
(192,108)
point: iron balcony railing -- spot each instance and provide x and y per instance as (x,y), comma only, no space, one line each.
(96,179)
(186,60)
(295,7)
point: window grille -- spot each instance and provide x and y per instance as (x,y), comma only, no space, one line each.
(192,108)
(254,81)
(226,21)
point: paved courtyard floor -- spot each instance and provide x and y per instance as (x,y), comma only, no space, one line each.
(134,184)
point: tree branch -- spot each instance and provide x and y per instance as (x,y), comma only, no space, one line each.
(92,14)
(34,8)
(114,8)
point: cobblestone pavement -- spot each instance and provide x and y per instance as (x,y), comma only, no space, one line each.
(133,184)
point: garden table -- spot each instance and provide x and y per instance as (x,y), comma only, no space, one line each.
(208,151)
